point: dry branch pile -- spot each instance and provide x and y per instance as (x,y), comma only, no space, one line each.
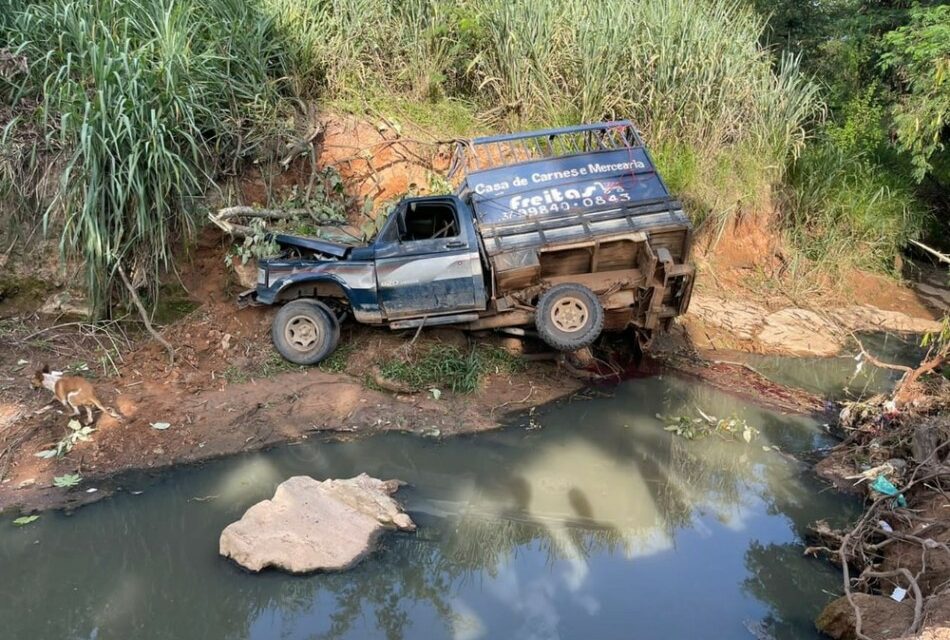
(897,451)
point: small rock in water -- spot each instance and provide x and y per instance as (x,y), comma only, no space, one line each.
(311,526)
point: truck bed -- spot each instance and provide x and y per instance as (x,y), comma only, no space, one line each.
(580,205)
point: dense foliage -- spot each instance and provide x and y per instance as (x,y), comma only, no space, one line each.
(136,107)
(884,66)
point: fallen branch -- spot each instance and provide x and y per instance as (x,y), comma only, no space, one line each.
(933,360)
(940,256)
(144,315)
(222,219)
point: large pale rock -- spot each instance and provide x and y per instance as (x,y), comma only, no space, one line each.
(800,332)
(868,318)
(312,526)
(741,319)
(720,323)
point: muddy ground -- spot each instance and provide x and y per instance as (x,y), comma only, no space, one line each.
(226,392)
(229,392)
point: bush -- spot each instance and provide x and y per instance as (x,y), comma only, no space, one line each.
(844,209)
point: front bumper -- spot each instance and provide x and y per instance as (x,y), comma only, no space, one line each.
(248,299)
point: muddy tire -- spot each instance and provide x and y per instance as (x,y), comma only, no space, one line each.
(569,317)
(305,331)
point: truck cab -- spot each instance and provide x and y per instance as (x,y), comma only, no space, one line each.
(427,260)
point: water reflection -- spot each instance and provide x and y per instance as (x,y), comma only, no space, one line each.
(598,524)
(839,377)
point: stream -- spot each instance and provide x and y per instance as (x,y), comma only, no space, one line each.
(586,520)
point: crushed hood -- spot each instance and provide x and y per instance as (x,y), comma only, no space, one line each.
(334,249)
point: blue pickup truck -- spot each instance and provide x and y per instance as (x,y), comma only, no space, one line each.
(570,231)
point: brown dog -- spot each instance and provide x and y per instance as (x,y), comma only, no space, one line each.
(72,391)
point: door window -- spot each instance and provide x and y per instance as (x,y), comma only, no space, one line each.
(429,221)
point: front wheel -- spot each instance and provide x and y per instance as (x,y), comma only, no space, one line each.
(569,317)
(305,331)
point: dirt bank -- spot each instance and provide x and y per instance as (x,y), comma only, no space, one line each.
(226,392)
(749,297)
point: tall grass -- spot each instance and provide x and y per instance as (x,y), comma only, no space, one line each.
(143,102)
(847,211)
(690,73)
(724,118)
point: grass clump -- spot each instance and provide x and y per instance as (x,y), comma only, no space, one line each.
(271,366)
(442,366)
(337,361)
(141,104)
(236,375)
(843,211)
(848,200)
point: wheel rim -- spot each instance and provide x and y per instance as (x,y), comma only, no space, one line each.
(570,314)
(302,333)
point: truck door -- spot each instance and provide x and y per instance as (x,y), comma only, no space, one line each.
(427,261)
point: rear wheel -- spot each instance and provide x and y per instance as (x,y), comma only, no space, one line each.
(305,331)
(569,317)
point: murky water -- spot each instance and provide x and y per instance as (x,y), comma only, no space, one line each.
(840,377)
(592,523)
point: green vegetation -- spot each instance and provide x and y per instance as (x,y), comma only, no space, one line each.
(878,171)
(841,209)
(689,73)
(67,481)
(339,359)
(75,434)
(693,428)
(918,54)
(136,109)
(442,366)
(322,202)
(273,365)
(236,375)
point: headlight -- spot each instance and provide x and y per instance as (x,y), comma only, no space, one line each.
(262,276)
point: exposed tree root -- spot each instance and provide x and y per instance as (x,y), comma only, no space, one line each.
(144,315)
